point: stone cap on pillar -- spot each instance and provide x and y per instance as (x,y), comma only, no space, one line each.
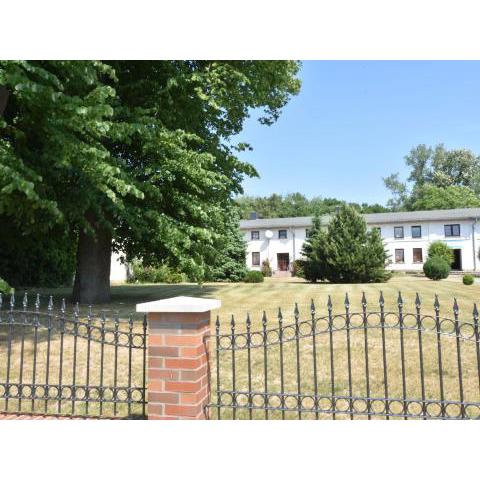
(179,305)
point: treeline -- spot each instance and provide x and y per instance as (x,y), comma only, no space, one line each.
(298,205)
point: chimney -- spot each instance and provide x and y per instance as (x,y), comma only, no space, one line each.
(253,215)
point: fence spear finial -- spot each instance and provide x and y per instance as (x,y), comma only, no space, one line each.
(436,304)
(37,302)
(329,303)
(12,300)
(475,311)
(417,300)
(455,306)
(25,301)
(364,300)
(381,300)
(400,299)
(347,301)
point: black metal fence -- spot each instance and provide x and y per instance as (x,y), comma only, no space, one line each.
(372,363)
(54,362)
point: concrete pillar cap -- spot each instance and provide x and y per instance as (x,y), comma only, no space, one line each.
(179,305)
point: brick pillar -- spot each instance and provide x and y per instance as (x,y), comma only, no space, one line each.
(178,386)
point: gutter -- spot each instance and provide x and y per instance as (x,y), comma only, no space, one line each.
(475,220)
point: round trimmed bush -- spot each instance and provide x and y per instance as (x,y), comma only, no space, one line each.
(468,279)
(253,276)
(436,268)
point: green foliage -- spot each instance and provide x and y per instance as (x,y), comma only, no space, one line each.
(140,149)
(41,260)
(468,279)
(440,249)
(431,197)
(439,179)
(297,270)
(253,276)
(345,252)
(436,268)
(296,205)
(227,263)
(266,268)
(154,274)
(4,286)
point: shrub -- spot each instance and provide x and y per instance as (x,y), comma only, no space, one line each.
(253,276)
(436,268)
(297,270)
(4,286)
(468,279)
(440,249)
(266,269)
(154,274)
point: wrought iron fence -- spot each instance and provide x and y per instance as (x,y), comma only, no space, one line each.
(371,363)
(54,362)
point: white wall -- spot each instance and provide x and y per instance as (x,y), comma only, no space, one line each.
(431,231)
(118,271)
(269,249)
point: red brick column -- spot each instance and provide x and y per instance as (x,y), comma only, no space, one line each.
(178,386)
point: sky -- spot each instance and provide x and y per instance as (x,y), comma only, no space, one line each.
(354,121)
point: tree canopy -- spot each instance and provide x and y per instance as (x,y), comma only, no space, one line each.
(131,155)
(297,205)
(439,178)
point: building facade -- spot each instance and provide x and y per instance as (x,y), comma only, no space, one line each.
(407,236)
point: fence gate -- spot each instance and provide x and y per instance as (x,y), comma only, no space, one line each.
(373,363)
(77,364)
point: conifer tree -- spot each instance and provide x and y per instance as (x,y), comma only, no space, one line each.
(346,252)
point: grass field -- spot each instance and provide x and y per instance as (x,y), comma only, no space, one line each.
(240,299)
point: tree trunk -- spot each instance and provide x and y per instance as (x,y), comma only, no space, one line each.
(92,277)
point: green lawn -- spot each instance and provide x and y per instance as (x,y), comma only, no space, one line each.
(240,298)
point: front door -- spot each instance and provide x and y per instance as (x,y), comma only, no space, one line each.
(283,261)
(457,259)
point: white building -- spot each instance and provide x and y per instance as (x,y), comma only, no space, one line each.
(407,236)
(118,270)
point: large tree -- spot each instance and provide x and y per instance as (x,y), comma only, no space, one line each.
(129,155)
(438,178)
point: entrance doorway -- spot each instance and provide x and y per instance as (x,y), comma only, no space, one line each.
(283,261)
(457,259)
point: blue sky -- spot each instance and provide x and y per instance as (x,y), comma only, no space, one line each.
(353,122)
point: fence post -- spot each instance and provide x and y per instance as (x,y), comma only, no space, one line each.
(178,386)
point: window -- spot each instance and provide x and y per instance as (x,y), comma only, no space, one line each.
(417,231)
(282,234)
(255,235)
(398,232)
(255,258)
(399,255)
(417,255)
(452,230)
(307,232)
